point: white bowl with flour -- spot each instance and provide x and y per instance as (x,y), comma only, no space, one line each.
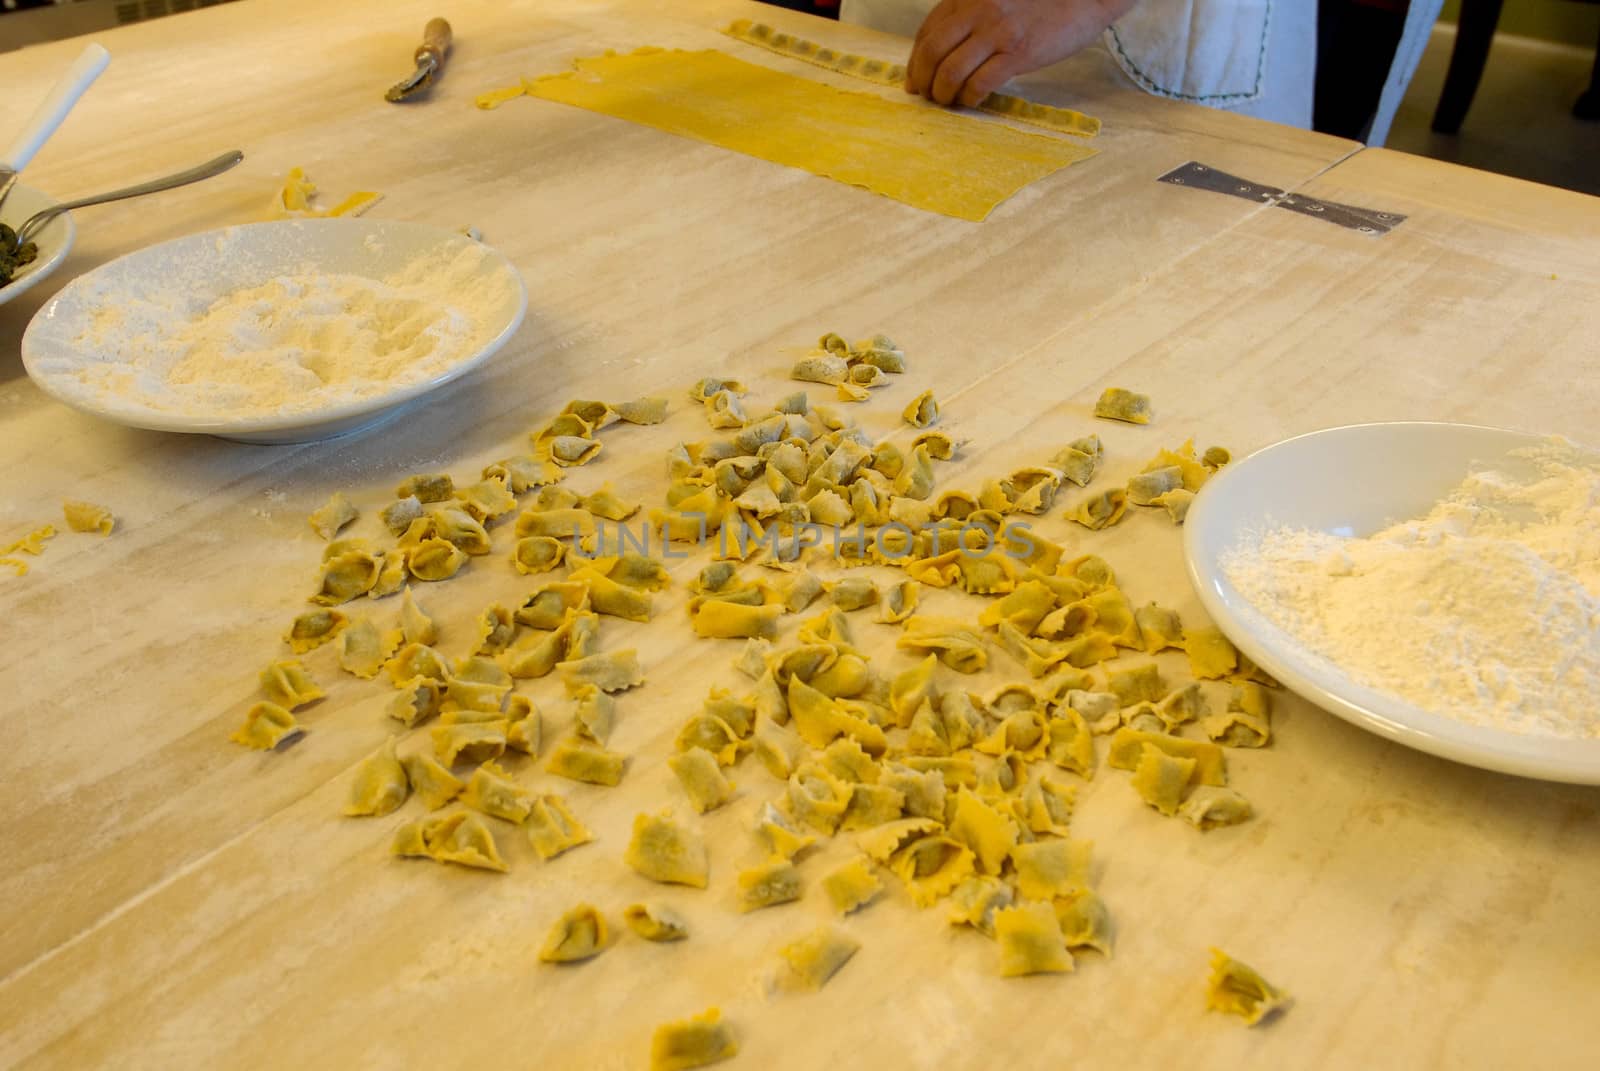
(275,332)
(1437,584)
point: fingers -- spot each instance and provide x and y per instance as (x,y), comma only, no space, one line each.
(993,73)
(950,80)
(940,34)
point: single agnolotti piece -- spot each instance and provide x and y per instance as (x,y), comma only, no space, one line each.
(578,935)
(1115,403)
(663,850)
(1237,989)
(655,922)
(695,1042)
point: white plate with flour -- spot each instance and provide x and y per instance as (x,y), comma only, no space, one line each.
(278,332)
(54,239)
(1364,569)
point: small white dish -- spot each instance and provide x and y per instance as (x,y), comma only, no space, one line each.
(1355,481)
(204,267)
(54,238)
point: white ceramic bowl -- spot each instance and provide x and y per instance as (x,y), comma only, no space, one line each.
(204,267)
(1355,481)
(54,238)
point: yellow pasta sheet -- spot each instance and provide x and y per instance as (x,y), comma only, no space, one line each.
(921,155)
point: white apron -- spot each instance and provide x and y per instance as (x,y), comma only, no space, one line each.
(1255,57)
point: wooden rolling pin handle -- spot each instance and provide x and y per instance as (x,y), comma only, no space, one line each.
(436,40)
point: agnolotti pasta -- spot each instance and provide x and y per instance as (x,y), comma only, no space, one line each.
(922,412)
(416,660)
(496,630)
(955,643)
(314,628)
(435,559)
(1211,655)
(655,922)
(784,840)
(289,684)
(1052,867)
(458,837)
(1116,403)
(1045,806)
(923,790)
(776,881)
(415,702)
(990,834)
(1137,684)
(346,576)
(487,499)
(477,683)
(931,867)
(429,487)
(1208,808)
(1127,751)
(415,624)
(580,760)
(853,593)
(824,368)
(326,521)
(701,776)
(1160,779)
(380,785)
(88,517)
(1100,511)
(695,1042)
(266,725)
(1237,988)
(1030,941)
(1084,921)
(719,619)
(553,828)
(810,961)
(663,850)
(579,934)
(492,791)
(470,742)
(852,885)
(646,410)
(614,672)
(1176,502)
(364,649)
(434,785)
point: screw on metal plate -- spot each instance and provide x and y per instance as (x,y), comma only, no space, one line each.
(1364,220)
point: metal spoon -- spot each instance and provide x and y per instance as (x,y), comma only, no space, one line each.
(206,170)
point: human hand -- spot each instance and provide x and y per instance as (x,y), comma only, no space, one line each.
(966,49)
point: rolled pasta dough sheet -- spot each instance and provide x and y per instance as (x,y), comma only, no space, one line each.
(937,160)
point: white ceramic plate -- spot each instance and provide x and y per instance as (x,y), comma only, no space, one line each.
(203,267)
(1355,481)
(54,238)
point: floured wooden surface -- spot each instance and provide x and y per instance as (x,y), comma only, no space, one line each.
(171,899)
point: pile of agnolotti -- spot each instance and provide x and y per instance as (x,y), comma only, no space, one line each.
(965,799)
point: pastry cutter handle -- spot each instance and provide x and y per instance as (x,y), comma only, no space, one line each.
(436,41)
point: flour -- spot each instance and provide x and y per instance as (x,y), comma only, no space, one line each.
(1487,610)
(294,343)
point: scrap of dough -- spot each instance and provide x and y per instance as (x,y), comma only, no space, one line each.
(88,517)
(933,159)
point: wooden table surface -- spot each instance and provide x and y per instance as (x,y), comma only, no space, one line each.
(168,899)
